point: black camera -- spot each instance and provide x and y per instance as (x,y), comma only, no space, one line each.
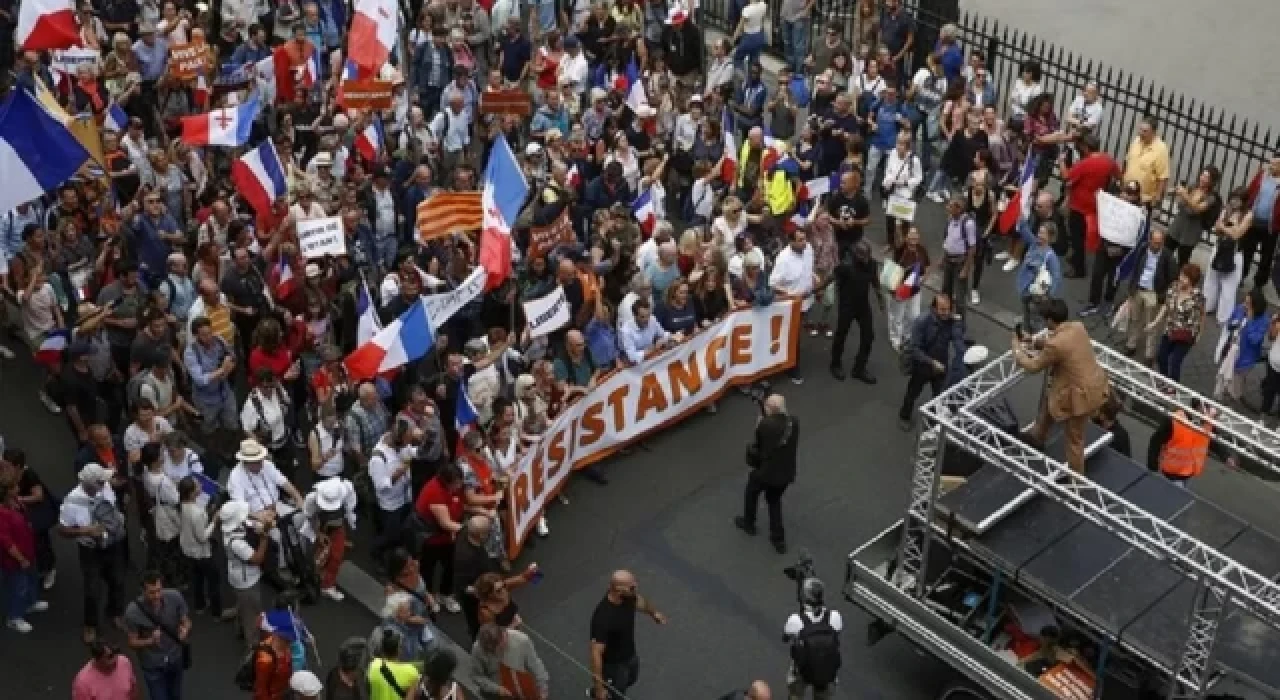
(758,392)
(801,571)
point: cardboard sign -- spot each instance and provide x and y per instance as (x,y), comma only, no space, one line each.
(511,101)
(547,314)
(637,401)
(366,94)
(188,60)
(544,239)
(320,237)
(1119,222)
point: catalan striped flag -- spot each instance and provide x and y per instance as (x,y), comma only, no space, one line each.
(444,213)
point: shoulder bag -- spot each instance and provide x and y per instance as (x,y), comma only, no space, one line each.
(185,646)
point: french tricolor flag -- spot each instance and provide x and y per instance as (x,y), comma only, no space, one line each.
(369,142)
(259,177)
(51,348)
(286,283)
(910,284)
(1019,206)
(230,126)
(367,322)
(47,24)
(115,119)
(645,213)
(465,416)
(404,340)
(309,72)
(200,93)
(807,199)
(574,178)
(729,168)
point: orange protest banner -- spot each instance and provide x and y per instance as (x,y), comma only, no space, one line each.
(366,94)
(188,60)
(542,239)
(632,403)
(511,101)
(445,213)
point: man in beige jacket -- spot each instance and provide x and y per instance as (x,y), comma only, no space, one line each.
(1077,384)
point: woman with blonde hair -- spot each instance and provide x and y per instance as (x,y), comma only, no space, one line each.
(731,223)
(689,250)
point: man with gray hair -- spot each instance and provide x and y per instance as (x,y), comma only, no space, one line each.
(498,648)
(639,288)
(772,459)
(664,271)
(471,560)
(91,517)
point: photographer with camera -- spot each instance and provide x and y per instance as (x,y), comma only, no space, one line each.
(772,459)
(814,636)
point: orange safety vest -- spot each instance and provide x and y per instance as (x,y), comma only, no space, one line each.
(1182,457)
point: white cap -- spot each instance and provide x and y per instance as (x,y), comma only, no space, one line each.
(532,149)
(94,473)
(306,684)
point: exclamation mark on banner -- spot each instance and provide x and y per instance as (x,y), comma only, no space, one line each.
(775,334)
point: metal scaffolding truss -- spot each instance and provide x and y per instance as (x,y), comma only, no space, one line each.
(954,417)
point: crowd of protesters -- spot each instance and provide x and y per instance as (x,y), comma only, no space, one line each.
(203,347)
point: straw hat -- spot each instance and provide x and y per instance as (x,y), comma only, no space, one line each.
(251,451)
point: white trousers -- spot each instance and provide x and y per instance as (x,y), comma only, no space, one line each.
(901,316)
(1220,290)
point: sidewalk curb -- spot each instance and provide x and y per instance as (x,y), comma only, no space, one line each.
(370,594)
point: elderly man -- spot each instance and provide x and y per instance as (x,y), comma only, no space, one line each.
(793,276)
(664,271)
(1148,162)
(772,459)
(178,290)
(256,481)
(471,560)
(452,128)
(759,690)
(638,289)
(366,423)
(1077,385)
(247,548)
(92,518)
(506,664)
(1154,273)
(750,164)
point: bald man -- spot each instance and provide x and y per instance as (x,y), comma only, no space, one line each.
(471,560)
(772,458)
(614,661)
(759,690)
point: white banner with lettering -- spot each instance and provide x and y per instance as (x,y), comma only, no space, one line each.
(547,314)
(320,237)
(630,403)
(442,307)
(1119,222)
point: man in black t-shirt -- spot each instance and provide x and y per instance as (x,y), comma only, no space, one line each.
(614,661)
(856,278)
(849,209)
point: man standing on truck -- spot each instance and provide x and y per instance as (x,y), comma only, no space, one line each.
(814,636)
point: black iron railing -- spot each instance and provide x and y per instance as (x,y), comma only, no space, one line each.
(1198,134)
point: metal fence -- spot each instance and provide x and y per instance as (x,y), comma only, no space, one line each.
(1197,134)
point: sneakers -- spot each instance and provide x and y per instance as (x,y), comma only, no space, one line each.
(333,594)
(38,607)
(1090,310)
(6,353)
(49,403)
(542,528)
(1002,255)
(47,581)
(19,625)
(975,298)
(936,197)
(451,605)
(1011,265)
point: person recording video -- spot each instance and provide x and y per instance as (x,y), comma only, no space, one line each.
(1077,384)
(772,459)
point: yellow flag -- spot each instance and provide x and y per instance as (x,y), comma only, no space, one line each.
(83,128)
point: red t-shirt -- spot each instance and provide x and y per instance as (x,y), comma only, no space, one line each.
(435,494)
(278,362)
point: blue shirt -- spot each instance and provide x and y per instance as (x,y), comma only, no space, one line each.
(1266,200)
(753,96)
(1036,257)
(885,137)
(152,59)
(952,62)
(1147,280)
(682,320)
(661,279)
(202,362)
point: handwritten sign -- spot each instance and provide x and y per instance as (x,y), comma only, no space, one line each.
(69,61)
(544,239)
(188,60)
(1119,222)
(442,307)
(901,208)
(320,237)
(547,314)
(366,94)
(511,101)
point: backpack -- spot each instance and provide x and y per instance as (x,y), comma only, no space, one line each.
(815,651)
(133,389)
(247,671)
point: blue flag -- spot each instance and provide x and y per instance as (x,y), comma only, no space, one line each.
(504,182)
(1131,260)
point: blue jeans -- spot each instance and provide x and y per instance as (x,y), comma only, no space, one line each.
(163,683)
(19,593)
(1170,356)
(795,37)
(748,51)
(385,255)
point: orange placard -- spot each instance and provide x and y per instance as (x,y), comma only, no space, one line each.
(445,213)
(511,101)
(542,239)
(188,60)
(366,94)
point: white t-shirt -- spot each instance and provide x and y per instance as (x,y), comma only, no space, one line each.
(164,496)
(261,490)
(647,253)
(272,415)
(794,624)
(1273,357)
(704,198)
(240,573)
(385,460)
(186,465)
(329,441)
(753,17)
(135,438)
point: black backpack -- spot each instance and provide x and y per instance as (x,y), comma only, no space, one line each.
(815,651)
(247,672)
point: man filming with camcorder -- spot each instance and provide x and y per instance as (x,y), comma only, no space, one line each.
(814,636)
(772,459)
